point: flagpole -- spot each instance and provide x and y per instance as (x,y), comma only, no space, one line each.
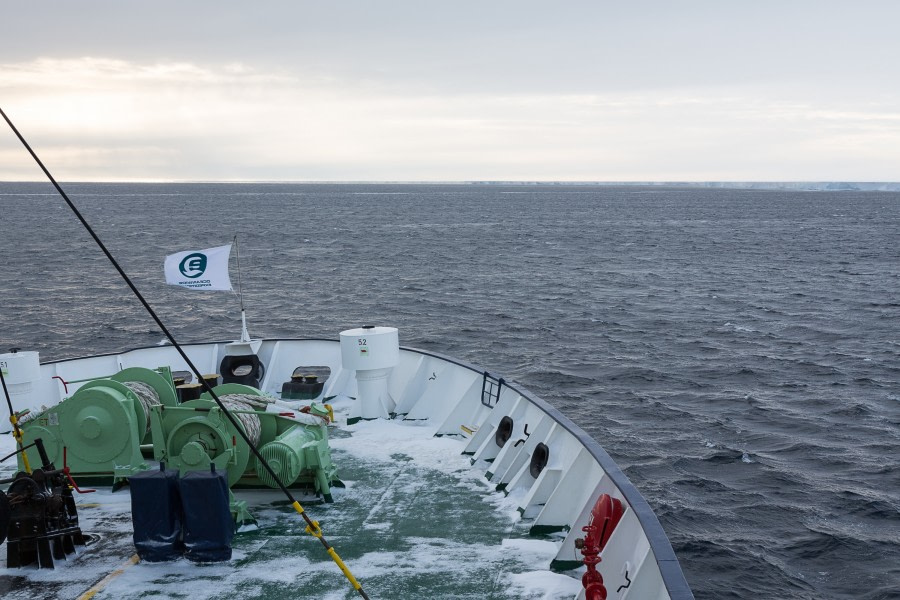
(245,336)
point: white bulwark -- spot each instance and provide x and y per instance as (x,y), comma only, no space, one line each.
(22,375)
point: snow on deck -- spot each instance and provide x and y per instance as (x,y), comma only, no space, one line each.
(415,520)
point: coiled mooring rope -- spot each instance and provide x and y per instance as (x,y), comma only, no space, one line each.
(148,397)
(238,405)
(255,402)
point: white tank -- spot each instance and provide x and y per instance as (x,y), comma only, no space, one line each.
(22,373)
(372,352)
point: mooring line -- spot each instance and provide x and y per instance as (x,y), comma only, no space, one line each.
(312,527)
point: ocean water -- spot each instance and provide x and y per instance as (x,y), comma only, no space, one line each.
(737,352)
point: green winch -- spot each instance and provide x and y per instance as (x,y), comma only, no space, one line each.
(197,435)
(97,432)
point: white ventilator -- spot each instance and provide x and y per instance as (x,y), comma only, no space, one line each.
(22,373)
(372,352)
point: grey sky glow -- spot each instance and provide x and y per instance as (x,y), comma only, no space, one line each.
(442,91)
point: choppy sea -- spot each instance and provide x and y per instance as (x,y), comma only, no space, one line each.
(737,352)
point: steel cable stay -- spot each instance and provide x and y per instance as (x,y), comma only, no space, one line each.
(312,527)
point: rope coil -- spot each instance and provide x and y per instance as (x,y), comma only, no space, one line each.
(250,422)
(255,402)
(147,396)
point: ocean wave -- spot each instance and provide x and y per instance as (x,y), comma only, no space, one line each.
(744,326)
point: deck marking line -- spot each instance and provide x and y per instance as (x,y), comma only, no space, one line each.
(98,587)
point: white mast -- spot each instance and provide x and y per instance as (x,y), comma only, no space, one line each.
(245,335)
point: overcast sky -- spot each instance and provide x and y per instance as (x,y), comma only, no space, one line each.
(420,90)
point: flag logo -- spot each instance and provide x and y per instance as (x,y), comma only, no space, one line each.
(199,269)
(193,265)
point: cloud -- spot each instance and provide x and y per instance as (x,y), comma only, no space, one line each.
(110,119)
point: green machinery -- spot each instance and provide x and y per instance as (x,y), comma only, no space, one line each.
(196,435)
(98,431)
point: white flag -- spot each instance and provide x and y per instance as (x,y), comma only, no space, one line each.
(200,269)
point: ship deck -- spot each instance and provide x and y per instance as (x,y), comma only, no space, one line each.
(414,520)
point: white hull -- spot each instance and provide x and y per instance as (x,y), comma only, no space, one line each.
(446,397)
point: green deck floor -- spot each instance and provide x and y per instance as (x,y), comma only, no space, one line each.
(404,530)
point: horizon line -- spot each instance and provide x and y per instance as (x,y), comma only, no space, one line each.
(657,182)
